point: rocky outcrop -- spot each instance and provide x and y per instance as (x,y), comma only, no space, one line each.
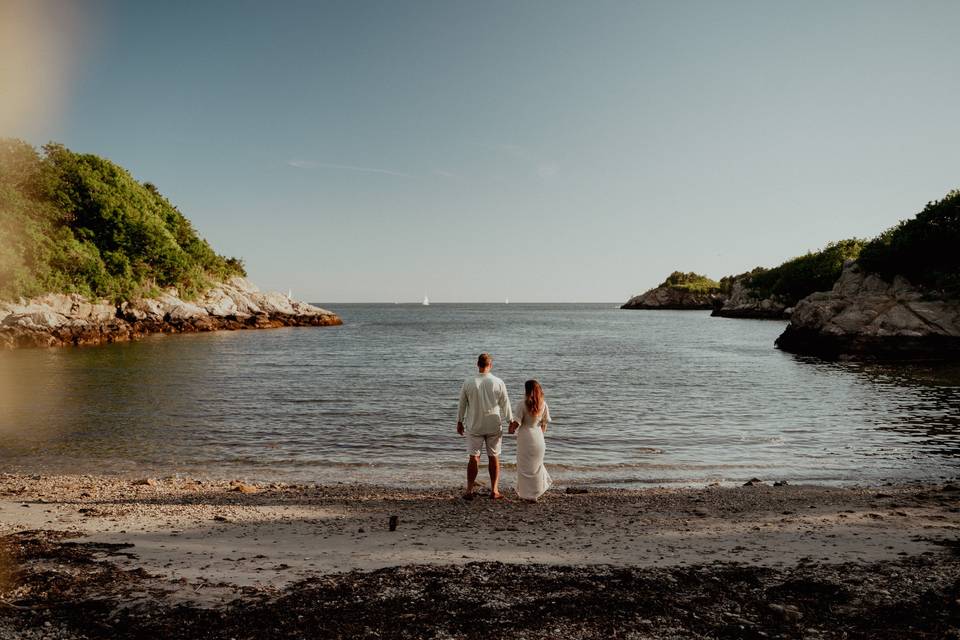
(666,297)
(744,302)
(866,316)
(58,319)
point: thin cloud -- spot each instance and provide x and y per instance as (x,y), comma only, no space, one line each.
(544,168)
(547,171)
(513,150)
(309,164)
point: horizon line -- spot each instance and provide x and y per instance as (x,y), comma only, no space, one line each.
(420,304)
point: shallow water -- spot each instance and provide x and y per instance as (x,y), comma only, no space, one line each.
(637,397)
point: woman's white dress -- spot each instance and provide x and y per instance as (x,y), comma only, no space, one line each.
(532,476)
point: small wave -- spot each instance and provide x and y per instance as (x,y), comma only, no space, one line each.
(601,467)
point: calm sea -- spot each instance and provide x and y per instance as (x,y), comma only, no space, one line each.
(637,397)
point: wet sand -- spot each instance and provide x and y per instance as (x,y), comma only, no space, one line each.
(203,545)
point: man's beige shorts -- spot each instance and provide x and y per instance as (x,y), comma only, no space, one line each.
(492,443)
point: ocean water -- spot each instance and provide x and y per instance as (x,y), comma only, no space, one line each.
(638,398)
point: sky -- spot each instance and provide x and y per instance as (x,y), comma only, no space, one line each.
(475,151)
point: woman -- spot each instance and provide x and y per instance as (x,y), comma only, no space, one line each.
(532,416)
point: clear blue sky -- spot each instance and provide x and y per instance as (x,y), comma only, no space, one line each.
(540,150)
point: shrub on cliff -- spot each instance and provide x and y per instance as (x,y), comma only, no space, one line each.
(801,276)
(726,282)
(924,249)
(692,282)
(77,223)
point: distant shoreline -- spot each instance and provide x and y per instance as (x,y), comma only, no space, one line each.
(442,303)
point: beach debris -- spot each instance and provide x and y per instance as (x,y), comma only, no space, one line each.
(786,612)
(148,482)
(243,487)
(93,588)
(780,483)
(753,482)
(394,521)
(577,490)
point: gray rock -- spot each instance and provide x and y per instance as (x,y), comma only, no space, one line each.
(185,311)
(58,319)
(147,309)
(218,302)
(867,316)
(671,298)
(744,302)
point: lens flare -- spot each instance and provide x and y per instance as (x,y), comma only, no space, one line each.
(38,45)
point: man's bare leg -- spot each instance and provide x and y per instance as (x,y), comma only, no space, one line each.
(473,467)
(493,466)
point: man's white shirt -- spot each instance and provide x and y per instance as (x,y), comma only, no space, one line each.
(481,398)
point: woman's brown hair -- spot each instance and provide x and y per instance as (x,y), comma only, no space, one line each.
(534,397)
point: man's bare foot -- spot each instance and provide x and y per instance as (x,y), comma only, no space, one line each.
(496,496)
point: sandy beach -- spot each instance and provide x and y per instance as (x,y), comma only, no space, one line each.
(138,549)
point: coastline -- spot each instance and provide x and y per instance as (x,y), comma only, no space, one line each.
(197,546)
(58,320)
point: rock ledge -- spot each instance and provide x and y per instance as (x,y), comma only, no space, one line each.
(676,299)
(54,319)
(865,316)
(744,303)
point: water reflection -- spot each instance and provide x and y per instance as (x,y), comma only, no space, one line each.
(124,402)
(921,401)
(637,397)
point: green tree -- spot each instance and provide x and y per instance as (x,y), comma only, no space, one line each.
(79,223)
(924,249)
(690,281)
(799,277)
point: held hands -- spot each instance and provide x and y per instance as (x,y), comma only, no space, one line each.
(513,427)
(460,428)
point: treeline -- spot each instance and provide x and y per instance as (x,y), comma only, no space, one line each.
(690,281)
(924,249)
(798,277)
(78,223)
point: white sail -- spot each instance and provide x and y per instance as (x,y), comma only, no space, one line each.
(426,301)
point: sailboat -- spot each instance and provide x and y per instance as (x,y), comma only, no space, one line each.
(426,301)
(507,301)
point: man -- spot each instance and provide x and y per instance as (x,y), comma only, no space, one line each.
(483,405)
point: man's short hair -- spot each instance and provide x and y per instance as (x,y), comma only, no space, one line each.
(484,360)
